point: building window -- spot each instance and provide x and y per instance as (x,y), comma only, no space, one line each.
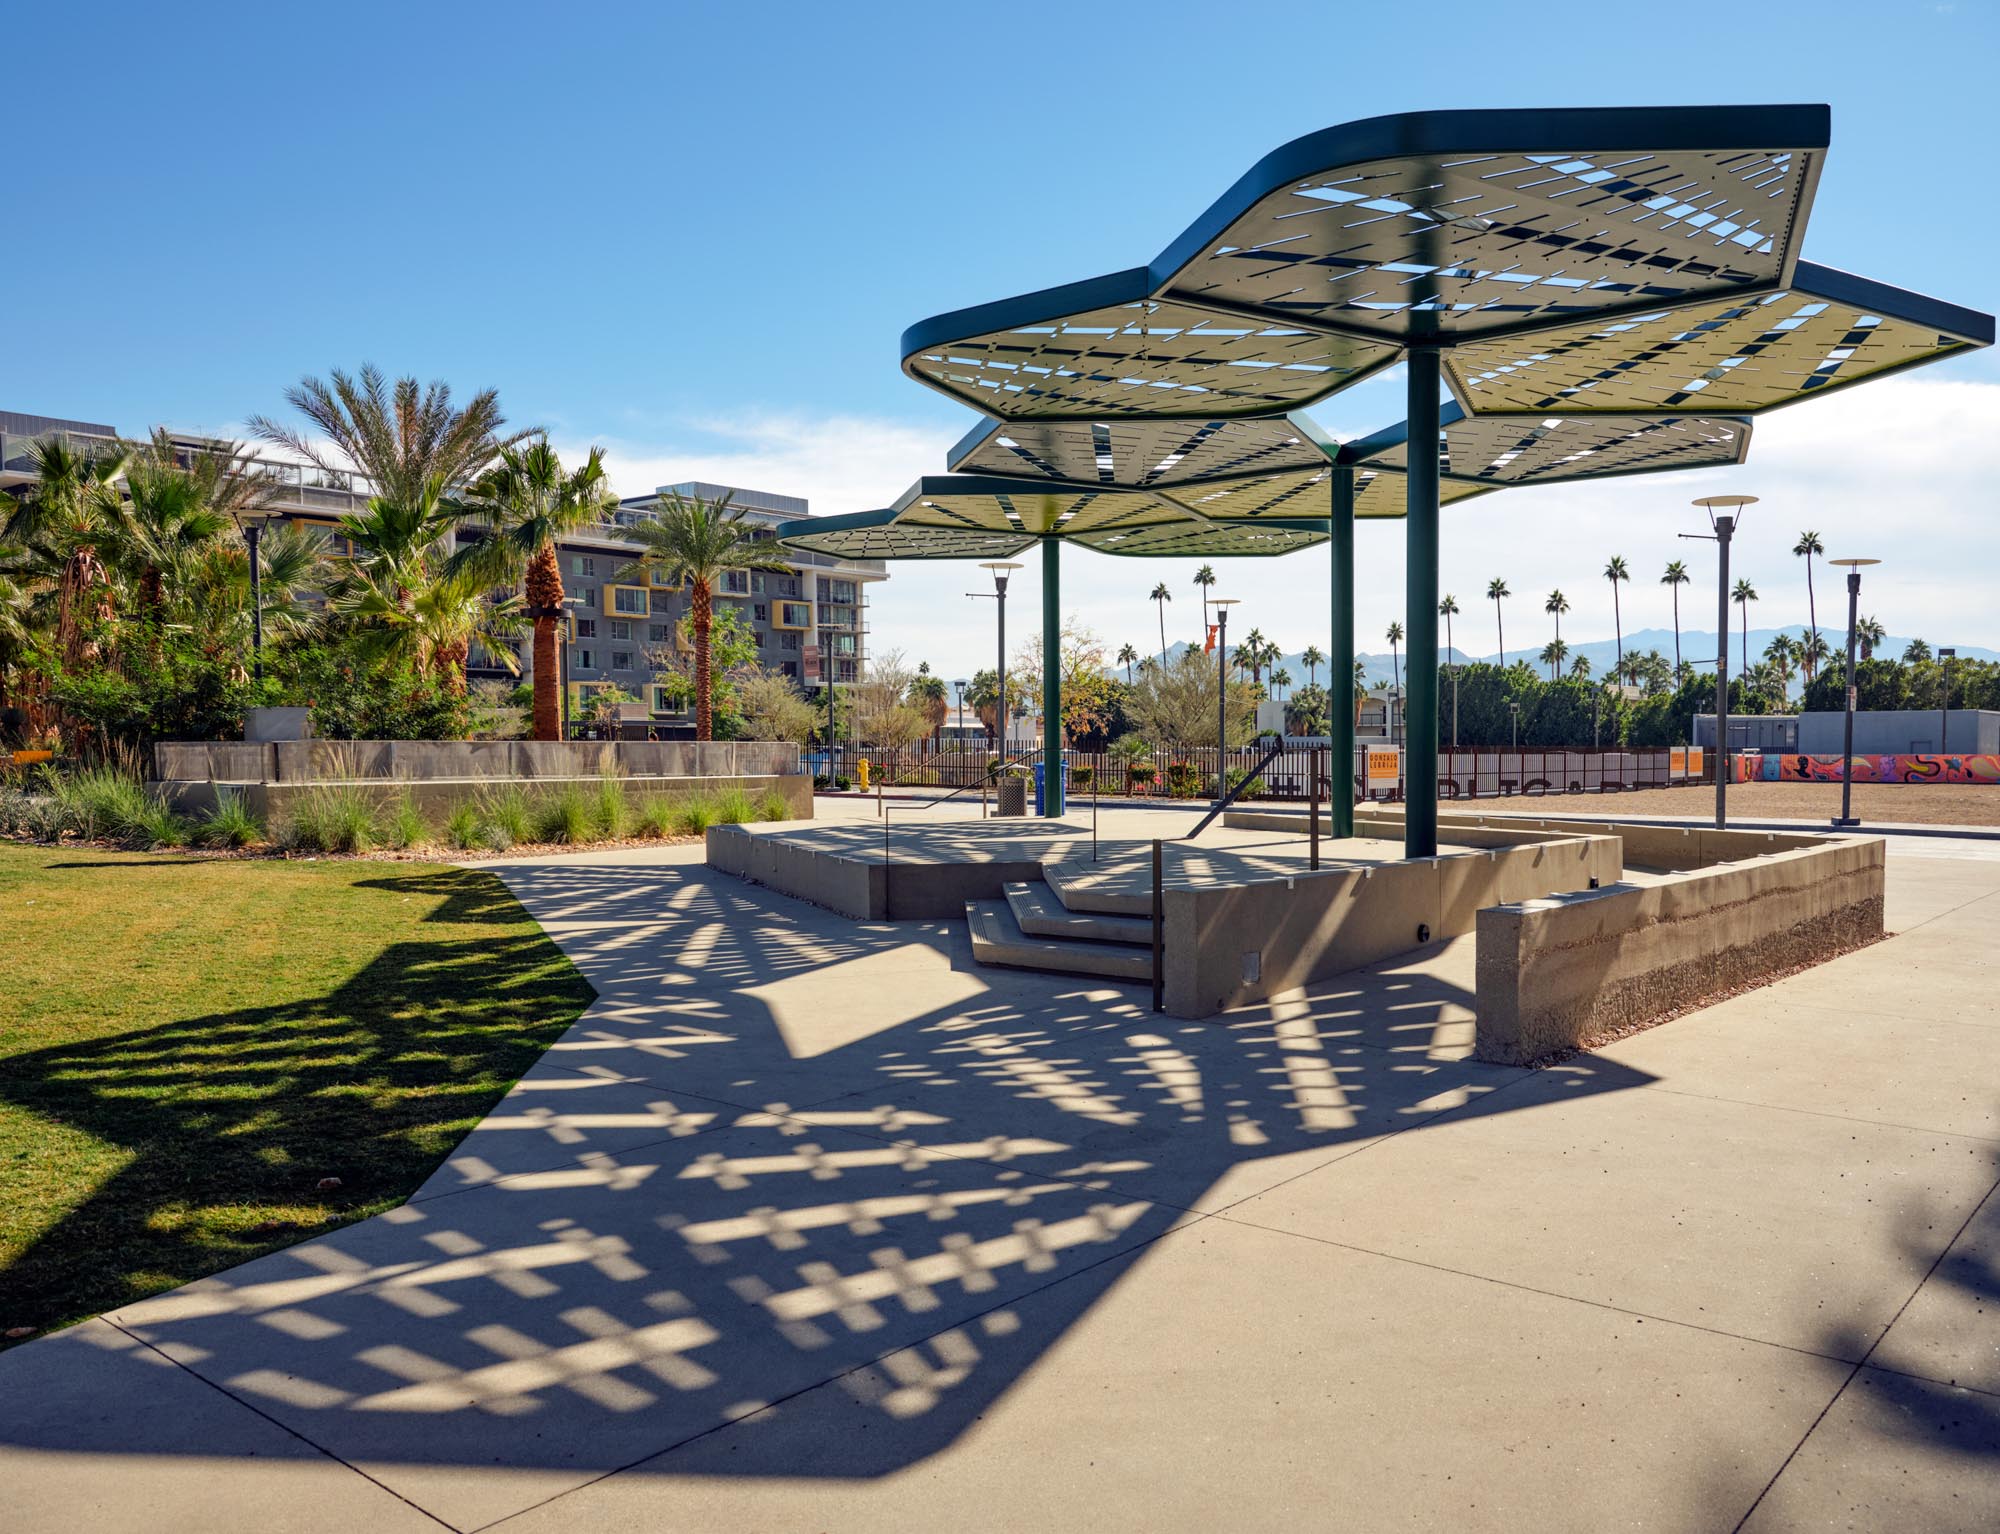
(588,566)
(656,633)
(664,579)
(840,591)
(846,671)
(589,662)
(587,597)
(576,564)
(791,668)
(663,701)
(791,642)
(628,599)
(620,629)
(762,611)
(586,628)
(659,604)
(794,615)
(621,660)
(736,583)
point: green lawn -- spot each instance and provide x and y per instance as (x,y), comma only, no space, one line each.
(188,1046)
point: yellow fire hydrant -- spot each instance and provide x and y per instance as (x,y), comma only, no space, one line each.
(863,767)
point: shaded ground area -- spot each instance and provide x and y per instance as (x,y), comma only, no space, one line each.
(187,1047)
(1926,804)
(812,1224)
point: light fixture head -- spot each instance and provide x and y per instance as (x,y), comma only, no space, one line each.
(1854,563)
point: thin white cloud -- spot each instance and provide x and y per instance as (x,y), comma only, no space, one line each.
(1903,470)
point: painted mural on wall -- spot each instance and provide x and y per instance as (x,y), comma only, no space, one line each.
(1786,767)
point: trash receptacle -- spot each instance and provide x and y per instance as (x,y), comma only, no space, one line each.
(1010,795)
(1042,788)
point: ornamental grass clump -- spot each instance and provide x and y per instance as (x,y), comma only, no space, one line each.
(330,817)
(565,815)
(509,811)
(733,806)
(610,809)
(461,826)
(403,824)
(229,824)
(654,817)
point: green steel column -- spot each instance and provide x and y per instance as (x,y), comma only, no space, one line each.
(1052,773)
(1420,614)
(1340,540)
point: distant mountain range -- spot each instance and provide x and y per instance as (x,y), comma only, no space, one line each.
(1697,646)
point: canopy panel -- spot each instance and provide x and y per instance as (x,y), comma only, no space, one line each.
(1511,450)
(1211,540)
(1755,352)
(1138,453)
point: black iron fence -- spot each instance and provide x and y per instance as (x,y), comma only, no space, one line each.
(1190,773)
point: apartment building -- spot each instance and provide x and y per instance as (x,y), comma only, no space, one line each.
(809,622)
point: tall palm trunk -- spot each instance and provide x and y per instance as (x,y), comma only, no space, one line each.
(1812,615)
(1618,636)
(543,587)
(1499,623)
(83,599)
(702,609)
(1677,631)
(1163,631)
(448,664)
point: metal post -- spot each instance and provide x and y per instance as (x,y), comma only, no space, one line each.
(1052,783)
(1159,935)
(1847,727)
(1340,541)
(1000,717)
(1945,658)
(1221,703)
(250,535)
(1724,526)
(1312,766)
(1420,598)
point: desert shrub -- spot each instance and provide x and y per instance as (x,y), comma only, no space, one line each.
(156,825)
(654,817)
(610,809)
(510,810)
(1081,776)
(565,815)
(403,824)
(733,806)
(461,826)
(693,816)
(495,838)
(773,806)
(97,803)
(229,824)
(329,817)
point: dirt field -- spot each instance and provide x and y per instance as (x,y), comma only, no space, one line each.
(1956,804)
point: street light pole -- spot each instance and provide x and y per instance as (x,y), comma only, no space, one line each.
(1945,656)
(251,533)
(1221,606)
(1725,524)
(1001,569)
(1847,745)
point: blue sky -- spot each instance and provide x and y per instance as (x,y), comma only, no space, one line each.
(695,233)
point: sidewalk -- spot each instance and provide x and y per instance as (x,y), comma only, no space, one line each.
(813,1225)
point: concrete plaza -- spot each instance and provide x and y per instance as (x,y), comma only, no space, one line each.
(814,1224)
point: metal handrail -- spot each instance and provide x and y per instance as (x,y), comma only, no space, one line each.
(1222,776)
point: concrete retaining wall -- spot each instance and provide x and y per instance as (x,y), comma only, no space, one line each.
(1554,974)
(1228,947)
(437,798)
(863,888)
(309,761)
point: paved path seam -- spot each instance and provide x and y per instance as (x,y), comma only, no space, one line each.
(290,1432)
(1818,1113)
(1862,1362)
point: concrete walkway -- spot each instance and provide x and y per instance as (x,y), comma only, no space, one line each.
(813,1225)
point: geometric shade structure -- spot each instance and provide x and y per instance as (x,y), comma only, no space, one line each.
(1604,291)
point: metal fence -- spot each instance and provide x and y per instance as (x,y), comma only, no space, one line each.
(1190,773)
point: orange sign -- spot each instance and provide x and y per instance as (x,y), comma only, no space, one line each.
(1384,764)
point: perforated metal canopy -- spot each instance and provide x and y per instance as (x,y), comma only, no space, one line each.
(1497,451)
(1621,259)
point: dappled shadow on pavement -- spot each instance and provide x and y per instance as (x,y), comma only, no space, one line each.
(781,1147)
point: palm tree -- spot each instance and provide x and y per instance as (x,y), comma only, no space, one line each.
(1916,650)
(928,697)
(1616,573)
(1280,680)
(1204,578)
(1556,605)
(1676,577)
(179,500)
(411,443)
(1161,597)
(1743,596)
(1312,660)
(1580,668)
(1448,610)
(693,542)
(1126,656)
(1868,633)
(1779,655)
(64,521)
(1395,637)
(525,503)
(1251,653)
(1495,590)
(1553,655)
(1807,546)
(1814,653)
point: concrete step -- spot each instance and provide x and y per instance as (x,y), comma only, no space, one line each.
(1104,889)
(998,939)
(1040,913)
